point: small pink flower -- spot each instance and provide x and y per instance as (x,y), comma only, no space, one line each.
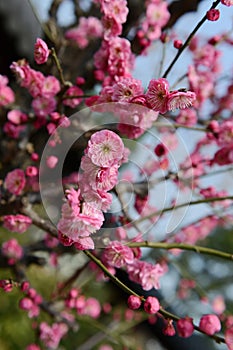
(151,305)
(52,335)
(169,329)
(180,100)
(43,106)
(157,95)
(185,327)
(118,255)
(213,14)
(7,95)
(41,51)
(210,324)
(51,161)
(105,148)
(227,2)
(92,308)
(12,250)
(33,347)
(134,302)
(17,223)
(51,87)
(6,285)
(31,171)
(75,97)
(16,116)
(15,181)
(229,337)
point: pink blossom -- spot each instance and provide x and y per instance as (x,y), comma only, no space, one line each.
(115,8)
(180,100)
(227,2)
(6,285)
(99,178)
(133,122)
(229,337)
(187,117)
(134,302)
(80,225)
(157,95)
(118,255)
(218,304)
(41,51)
(83,243)
(7,95)
(126,89)
(213,14)
(52,335)
(51,161)
(149,276)
(31,171)
(17,223)
(13,130)
(51,87)
(75,97)
(157,13)
(87,29)
(111,27)
(92,308)
(16,116)
(210,324)
(185,327)
(168,328)
(15,181)
(105,148)
(12,251)
(33,347)
(151,305)
(177,44)
(43,106)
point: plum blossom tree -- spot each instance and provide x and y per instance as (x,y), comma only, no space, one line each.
(94,167)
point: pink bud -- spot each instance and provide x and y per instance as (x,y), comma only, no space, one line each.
(25,304)
(210,324)
(25,286)
(31,171)
(185,327)
(51,162)
(134,302)
(151,305)
(177,44)
(213,14)
(41,51)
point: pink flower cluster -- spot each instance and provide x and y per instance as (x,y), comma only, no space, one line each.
(16,123)
(115,56)
(82,214)
(118,254)
(15,181)
(43,89)
(31,302)
(7,95)
(84,306)
(157,16)
(52,335)
(160,99)
(88,29)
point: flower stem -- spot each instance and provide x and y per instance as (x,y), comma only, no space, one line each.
(182,205)
(164,313)
(183,246)
(59,68)
(186,43)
